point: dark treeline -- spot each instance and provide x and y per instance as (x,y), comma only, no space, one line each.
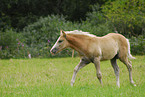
(19,13)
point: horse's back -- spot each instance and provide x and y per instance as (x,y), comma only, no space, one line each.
(114,37)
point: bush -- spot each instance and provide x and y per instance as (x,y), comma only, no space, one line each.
(137,45)
(11,44)
(99,30)
(96,22)
(41,35)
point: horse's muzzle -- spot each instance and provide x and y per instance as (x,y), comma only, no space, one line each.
(54,51)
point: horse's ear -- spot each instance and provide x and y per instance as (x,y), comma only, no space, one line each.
(63,33)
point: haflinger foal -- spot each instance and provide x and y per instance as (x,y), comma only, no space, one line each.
(94,49)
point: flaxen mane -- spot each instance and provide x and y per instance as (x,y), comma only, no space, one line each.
(79,32)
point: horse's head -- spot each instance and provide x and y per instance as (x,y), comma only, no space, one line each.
(60,44)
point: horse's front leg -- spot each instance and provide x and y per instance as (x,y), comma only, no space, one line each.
(97,66)
(82,63)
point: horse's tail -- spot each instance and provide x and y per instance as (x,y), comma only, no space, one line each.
(129,54)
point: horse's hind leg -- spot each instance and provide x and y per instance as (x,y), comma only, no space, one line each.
(116,70)
(129,67)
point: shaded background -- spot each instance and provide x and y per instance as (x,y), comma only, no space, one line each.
(32,26)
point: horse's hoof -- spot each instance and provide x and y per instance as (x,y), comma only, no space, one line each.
(133,84)
(72,84)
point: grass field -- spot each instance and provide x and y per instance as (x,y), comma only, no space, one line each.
(51,78)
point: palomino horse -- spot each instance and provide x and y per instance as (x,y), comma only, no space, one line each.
(94,49)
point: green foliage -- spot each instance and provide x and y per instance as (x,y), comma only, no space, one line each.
(11,44)
(138,45)
(96,22)
(19,13)
(100,30)
(95,17)
(47,28)
(126,16)
(7,43)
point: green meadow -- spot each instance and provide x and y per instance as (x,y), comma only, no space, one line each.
(51,78)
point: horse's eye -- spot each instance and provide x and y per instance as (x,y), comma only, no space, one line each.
(60,41)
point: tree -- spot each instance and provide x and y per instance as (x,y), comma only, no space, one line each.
(20,13)
(127,16)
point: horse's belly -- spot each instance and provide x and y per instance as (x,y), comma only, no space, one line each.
(109,55)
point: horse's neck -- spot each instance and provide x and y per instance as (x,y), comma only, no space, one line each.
(78,43)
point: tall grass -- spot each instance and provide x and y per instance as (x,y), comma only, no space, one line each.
(51,78)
